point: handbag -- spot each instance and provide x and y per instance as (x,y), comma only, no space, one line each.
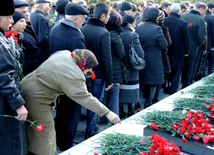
(136,62)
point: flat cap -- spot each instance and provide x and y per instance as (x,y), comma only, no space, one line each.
(42,1)
(75,9)
(20,3)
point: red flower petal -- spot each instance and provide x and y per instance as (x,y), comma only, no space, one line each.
(184,140)
(40,127)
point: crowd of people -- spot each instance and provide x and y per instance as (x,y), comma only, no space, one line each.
(49,50)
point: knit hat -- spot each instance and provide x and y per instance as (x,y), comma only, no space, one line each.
(17,16)
(7,8)
(60,6)
(161,15)
(152,14)
(125,6)
(20,3)
(128,19)
(84,58)
(75,9)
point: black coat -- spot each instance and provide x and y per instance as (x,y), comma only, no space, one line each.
(129,90)
(65,36)
(98,41)
(31,49)
(196,29)
(41,26)
(11,131)
(152,41)
(180,39)
(210,29)
(117,51)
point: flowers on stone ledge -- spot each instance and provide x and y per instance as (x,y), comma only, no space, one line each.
(128,144)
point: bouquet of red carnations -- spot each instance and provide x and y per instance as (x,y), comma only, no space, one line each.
(187,124)
(120,144)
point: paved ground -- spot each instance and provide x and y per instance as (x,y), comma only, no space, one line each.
(80,134)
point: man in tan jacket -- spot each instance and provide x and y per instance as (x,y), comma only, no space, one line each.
(46,83)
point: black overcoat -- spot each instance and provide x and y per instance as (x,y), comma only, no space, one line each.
(129,89)
(210,29)
(152,41)
(65,36)
(117,51)
(41,26)
(196,29)
(31,49)
(98,41)
(180,39)
(11,131)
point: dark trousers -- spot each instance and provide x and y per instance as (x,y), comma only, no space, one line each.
(175,79)
(67,117)
(150,92)
(196,65)
(187,70)
(203,64)
(211,61)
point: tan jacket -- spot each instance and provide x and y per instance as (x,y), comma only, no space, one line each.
(59,75)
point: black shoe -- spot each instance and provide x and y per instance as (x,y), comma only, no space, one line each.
(166,90)
(130,113)
(137,106)
(101,123)
(154,100)
(122,114)
(89,136)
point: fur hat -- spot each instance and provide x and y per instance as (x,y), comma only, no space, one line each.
(161,15)
(125,6)
(7,8)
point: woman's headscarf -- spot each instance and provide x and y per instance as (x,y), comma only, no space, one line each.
(84,58)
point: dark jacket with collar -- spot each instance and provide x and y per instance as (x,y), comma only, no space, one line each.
(210,29)
(152,41)
(117,51)
(197,31)
(65,36)
(180,39)
(31,49)
(98,41)
(12,138)
(41,26)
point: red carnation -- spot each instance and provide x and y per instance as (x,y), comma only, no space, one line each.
(118,84)
(190,24)
(40,127)
(151,125)
(96,154)
(182,92)
(93,75)
(188,134)
(206,139)
(182,130)
(155,127)
(196,137)
(138,110)
(184,140)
